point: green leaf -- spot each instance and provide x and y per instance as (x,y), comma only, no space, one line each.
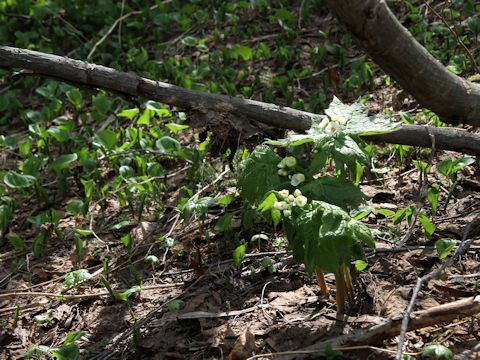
(337,191)
(360,265)
(127,240)
(168,145)
(75,207)
(385,212)
(75,97)
(402,214)
(67,352)
(245,52)
(63,162)
(225,200)
(238,255)
(61,135)
(326,236)
(102,103)
(76,277)
(129,113)
(38,350)
(145,118)
(175,305)
(259,237)
(43,318)
(450,167)
(444,247)
(428,226)
(189,41)
(432,197)
(106,139)
(25,147)
(267,207)
(83,232)
(123,296)
(72,337)
(199,206)
(152,259)
(357,120)
(16,241)
(258,174)
(362,211)
(224,223)
(268,203)
(346,151)
(18,181)
(158,108)
(174,128)
(437,352)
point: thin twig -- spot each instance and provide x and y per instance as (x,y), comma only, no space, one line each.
(300,14)
(114,25)
(108,353)
(462,249)
(81,296)
(344,348)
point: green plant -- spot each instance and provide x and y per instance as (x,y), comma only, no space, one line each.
(450,169)
(69,350)
(294,189)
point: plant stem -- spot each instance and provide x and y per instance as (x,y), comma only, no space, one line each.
(450,193)
(321,281)
(348,283)
(340,295)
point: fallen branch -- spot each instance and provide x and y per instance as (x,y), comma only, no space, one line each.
(461,250)
(238,111)
(390,327)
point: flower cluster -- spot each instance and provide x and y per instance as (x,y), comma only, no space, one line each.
(289,201)
(333,124)
(286,167)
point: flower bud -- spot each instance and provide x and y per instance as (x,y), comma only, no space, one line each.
(291,198)
(297,179)
(297,193)
(280,205)
(282,172)
(290,161)
(287,213)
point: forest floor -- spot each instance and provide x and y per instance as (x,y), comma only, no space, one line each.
(197,304)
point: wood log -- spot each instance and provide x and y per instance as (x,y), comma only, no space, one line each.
(84,74)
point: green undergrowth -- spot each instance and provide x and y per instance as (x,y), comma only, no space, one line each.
(78,164)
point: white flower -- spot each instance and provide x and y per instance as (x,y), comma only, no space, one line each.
(287,213)
(282,172)
(297,193)
(290,161)
(333,128)
(280,205)
(291,198)
(323,124)
(284,193)
(297,179)
(338,119)
(300,201)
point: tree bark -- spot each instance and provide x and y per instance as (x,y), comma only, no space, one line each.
(96,76)
(396,51)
